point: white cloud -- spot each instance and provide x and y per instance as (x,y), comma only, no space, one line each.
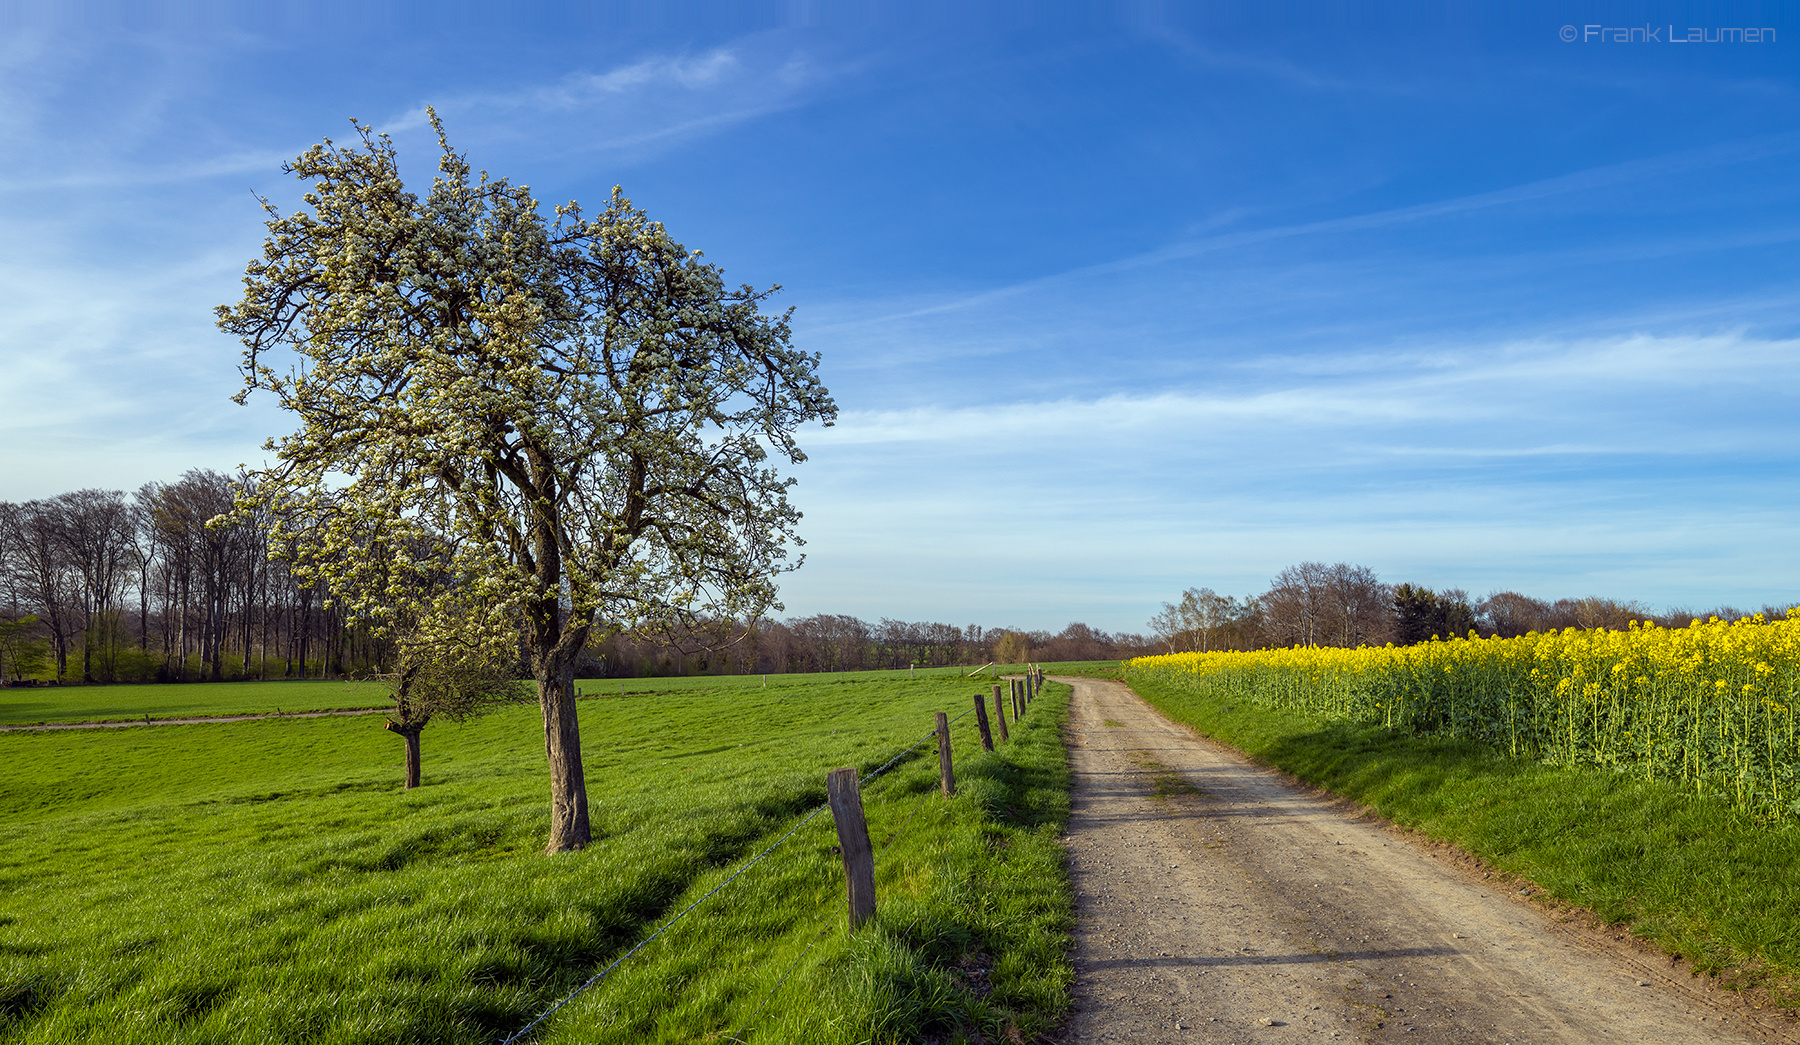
(704,71)
(636,108)
(1416,401)
(1635,466)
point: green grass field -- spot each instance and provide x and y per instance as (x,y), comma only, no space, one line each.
(1700,879)
(1094,669)
(688,683)
(268,881)
(33,704)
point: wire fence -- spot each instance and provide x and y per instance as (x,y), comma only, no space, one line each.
(528,1029)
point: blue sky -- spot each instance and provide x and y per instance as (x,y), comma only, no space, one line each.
(1114,302)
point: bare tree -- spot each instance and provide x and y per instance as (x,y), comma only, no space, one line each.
(1509,614)
(1360,607)
(98,532)
(1168,628)
(202,569)
(1295,605)
(1597,612)
(44,576)
(1078,641)
(1312,604)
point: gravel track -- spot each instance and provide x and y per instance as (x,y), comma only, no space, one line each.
(1218,902)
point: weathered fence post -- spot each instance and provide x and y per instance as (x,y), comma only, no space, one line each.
(1000,713)
(845,796)
(987,737)
(944,769)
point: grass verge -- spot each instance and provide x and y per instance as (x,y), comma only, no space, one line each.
(1701,881)
(267,881)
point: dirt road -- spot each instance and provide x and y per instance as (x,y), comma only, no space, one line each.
(1218,903)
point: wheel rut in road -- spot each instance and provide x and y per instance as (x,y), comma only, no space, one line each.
(1218,902)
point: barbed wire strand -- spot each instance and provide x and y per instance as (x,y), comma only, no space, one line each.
(895,833)
(744,1031)
(526,1030)
(890,762)
(597,977)
(920,804)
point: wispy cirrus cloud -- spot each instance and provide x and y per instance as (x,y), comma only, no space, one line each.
(639,107)
(1544,398)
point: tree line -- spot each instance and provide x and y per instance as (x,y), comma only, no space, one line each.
(835,642)
(165,584)
(105,586)
(1346,605)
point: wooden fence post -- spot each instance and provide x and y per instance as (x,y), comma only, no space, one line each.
(853,842)
(1013,695)
(1000,714)
(944,768)
(987,737)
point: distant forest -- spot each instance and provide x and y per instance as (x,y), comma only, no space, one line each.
(1341,604)
(105,586)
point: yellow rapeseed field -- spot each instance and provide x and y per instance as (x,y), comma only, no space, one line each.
(1711,705)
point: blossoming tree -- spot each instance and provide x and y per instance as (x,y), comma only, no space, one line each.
(579,409)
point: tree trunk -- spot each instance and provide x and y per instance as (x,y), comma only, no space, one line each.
(562,748)
(410,734)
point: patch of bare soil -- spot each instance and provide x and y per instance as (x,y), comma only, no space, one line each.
(1218,902)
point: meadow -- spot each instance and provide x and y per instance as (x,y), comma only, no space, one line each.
(269,881)
(32,705)
(29,705)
